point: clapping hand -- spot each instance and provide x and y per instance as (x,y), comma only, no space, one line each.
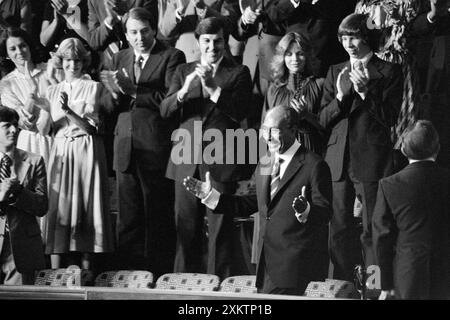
(186,86)
(63,101)
(111,14)
(249,16)
(360,78)
(9,186)
(299,105)
(60,6)
(342,86)
(197,187)
(205,73)
(300,204)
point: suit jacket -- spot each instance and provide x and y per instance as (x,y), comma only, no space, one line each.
(183,30)
(411,224)
(100,36)
(359,127)
(32,202)
(140,129)
(227,113)
(289,247)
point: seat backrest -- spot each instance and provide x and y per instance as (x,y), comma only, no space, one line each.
(188,281)
(331,288)
(239,284)
(133,279)
(71,276)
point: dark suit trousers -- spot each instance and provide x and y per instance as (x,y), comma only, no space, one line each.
(145,230)
(345,247)
(189,221)
(8,272)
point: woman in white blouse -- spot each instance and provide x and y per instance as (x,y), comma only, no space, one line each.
(78,217)
(24,89)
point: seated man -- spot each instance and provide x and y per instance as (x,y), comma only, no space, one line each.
(411,222)
(293,197)
(23,197)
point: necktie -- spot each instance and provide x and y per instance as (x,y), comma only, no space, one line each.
(5,167)
(5,172)
(275,176)
(138,68)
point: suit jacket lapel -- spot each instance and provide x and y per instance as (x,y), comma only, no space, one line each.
(295,165)
(21,165)
(152,62)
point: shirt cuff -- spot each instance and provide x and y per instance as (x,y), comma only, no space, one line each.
(429,20)
(304,214)
(178,16)
(212,199)
(216,95)
(295,4)
(110,27)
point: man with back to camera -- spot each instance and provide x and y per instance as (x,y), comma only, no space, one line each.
(293,197)
(143,74)
(411,221)
(360,103)
(23,197)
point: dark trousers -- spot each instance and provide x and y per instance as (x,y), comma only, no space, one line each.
(8,272)
(345,247)
(267,286)
(189,221)
(145,228)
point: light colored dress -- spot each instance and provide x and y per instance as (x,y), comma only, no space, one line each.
(15,88)
(78,218)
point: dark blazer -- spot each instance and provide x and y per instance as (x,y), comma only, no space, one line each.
(231,108)
(362,127)
(411,224)
(32,202)
(100,36)
(289,247)
(139,124)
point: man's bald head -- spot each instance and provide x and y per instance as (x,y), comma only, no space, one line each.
(282,116)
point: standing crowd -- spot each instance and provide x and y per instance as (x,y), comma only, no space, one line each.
(356,143)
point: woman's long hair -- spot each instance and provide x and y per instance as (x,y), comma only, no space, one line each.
(6,65)
(280,72)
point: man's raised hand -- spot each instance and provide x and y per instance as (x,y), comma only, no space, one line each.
(300,204)
(197,187)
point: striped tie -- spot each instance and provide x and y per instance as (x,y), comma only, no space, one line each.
(5,167)
(5,172)
(275,177)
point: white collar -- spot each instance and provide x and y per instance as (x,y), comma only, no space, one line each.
(289,153)
(427,159)
(365,60)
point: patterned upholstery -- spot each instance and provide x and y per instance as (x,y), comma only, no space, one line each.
(72,276)
(239,284)
(188,281)
(331,288)
(125,279)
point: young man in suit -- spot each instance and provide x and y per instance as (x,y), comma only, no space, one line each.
(293,197)
(210,94)
(143,74)
(360,103)
(411,222)
(23,198)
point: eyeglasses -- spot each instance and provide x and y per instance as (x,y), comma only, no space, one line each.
(269,133)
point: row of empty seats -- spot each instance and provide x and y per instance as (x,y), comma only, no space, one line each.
(75,277)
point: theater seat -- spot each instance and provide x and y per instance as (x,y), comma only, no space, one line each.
(133,279)
(188,281)
(239,284)
(71,276)
(331,288)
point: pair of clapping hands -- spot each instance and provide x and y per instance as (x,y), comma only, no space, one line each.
(8,187)
(359,78)
(182,4)
(28,112)
(202,189)
(117,82)
(205,74)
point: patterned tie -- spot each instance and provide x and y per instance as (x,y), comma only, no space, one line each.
(275,176)
(138,68)
(5,167)
(5,172)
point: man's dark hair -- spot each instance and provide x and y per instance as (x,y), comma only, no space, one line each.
(356,25)
(140,14)
(420,141)
(8,115)
(211,25)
